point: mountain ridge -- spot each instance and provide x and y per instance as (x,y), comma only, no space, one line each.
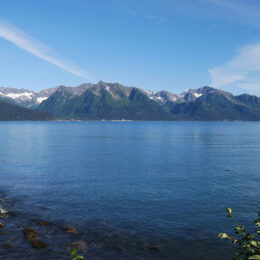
(29,98)
(113,101)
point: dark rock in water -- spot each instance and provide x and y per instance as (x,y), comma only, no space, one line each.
(157,248)
(119,247)
(71,230)
(80,246)
(98,244)
(102,223)
(38,244)
(2,225)
(8,245)
(28,229)
(145,246)
(30,234)
(133,244)
(43,223)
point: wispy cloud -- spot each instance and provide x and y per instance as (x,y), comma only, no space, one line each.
(228,3)
(38,49)
(244,11)
(158,19)
(239,69)
(151,17)
(243,70)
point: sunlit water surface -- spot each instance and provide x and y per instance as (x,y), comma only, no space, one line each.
(166,183)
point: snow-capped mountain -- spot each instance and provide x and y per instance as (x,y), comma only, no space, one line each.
(24,97)
(186,96)
(113,101)
(31,99)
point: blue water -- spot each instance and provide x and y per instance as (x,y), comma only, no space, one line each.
(165,182)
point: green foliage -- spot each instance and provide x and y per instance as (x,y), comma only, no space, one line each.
(216,106)
(12,112)
(74,255)
(119,102)
(96,104)
(247,245)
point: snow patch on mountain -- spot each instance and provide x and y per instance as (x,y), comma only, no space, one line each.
(186,96)
(41,99)
(25,97)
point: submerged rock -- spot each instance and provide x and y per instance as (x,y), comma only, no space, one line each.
(38,244)
(2,225)
(145,246)
(30,234)
(133,244)
(81,246)
(43,223)
(119,247)
(98,244)
(8,245)
(157,248)
(71,230)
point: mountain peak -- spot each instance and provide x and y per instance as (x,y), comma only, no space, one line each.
(115,101)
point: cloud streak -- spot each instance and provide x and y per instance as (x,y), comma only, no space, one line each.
(156,18)
(238,69)
(246,12)
(38,49)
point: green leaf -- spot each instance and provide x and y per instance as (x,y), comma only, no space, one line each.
(235,241)
(257,222)
(224,236)
(229,210)
(73,252)
(253,243)
(80,257)
(254,257)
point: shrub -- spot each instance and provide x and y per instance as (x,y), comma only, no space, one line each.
(247,245)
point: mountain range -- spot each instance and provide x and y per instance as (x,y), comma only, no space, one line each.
(113,101)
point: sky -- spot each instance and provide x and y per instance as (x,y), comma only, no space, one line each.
(151,44)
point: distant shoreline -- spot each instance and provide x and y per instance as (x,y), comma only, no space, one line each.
(112,120)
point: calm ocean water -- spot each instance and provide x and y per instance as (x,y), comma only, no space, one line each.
(166,183)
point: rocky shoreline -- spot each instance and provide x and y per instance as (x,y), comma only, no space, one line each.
(23,237)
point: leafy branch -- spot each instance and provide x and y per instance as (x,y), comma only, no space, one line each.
(247,245)
(74,255)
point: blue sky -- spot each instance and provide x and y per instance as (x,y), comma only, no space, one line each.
(151,44)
